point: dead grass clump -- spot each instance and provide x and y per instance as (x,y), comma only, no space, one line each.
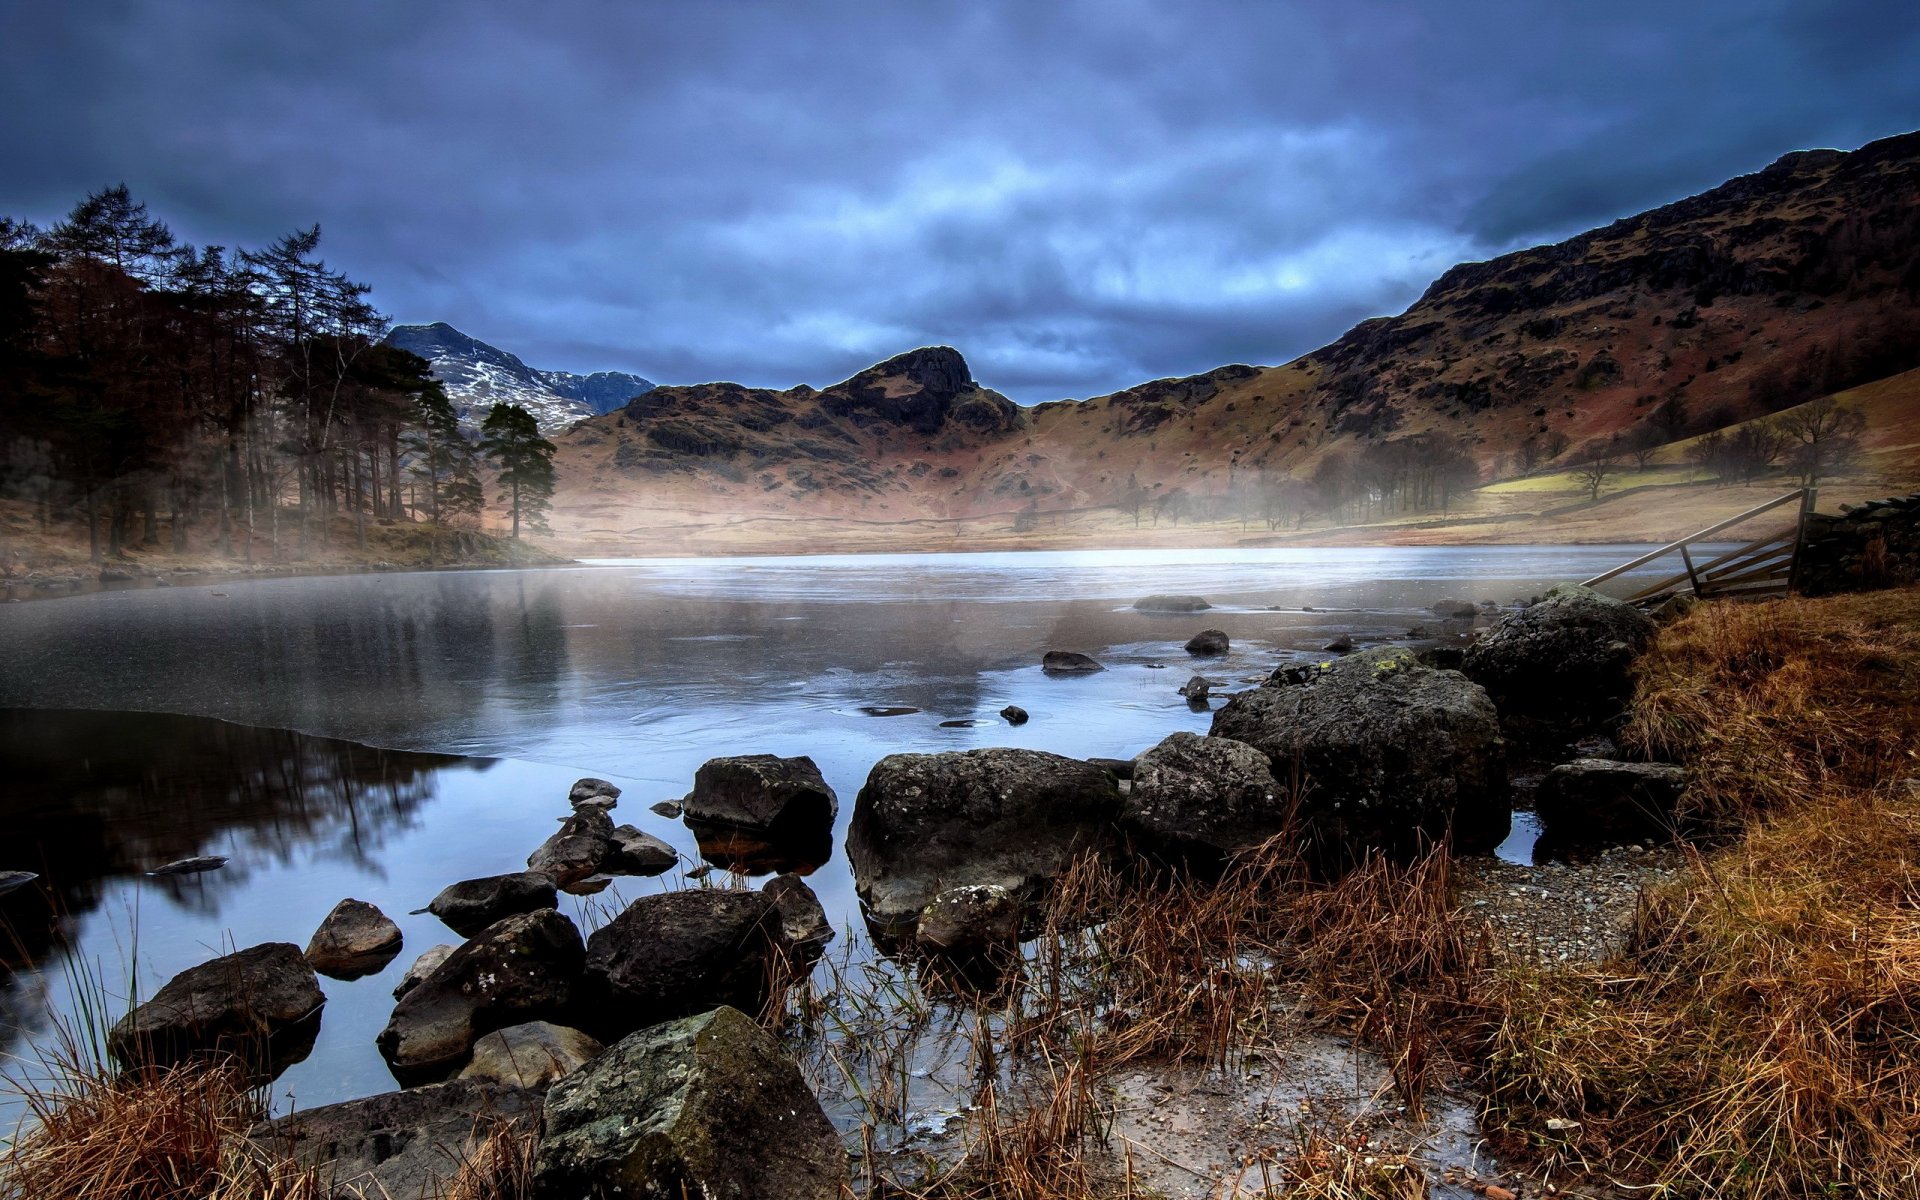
(1335,1165)
(1773,704)
(500,1165)
(176,1134)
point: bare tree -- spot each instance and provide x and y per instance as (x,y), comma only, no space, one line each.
(1825,438)
(1596,463)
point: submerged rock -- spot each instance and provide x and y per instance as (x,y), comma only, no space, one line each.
(1208,643)
(1195,800)
(471,905)
(355,939)
(1593,801)
(703,1106)
(1068,662)
(1563,666)
(531,1056)
(1171,604)
(259,1007)
(676,953)
(524,968)
(397,1145)
(1012,818)
(1390,755)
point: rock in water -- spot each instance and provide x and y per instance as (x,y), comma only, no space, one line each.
(1592,801)
(670,809)
(260,1006)
(355,939)
(577,851)
(1561,667)
(1012,818)
(1207,643)
(1068,662)
(1454,610)
(1171,604)
(422,967)
(531,1055)
(596,792)
(1014,714)
(1197,688)
(633,852)
(1343,644)
(758,812)
(397,1145)
(676,953)
(192,866)
(802,919)
(703,1106)
(1195,800)
(471,905)
(524,968)
(1391,754)
(970,920)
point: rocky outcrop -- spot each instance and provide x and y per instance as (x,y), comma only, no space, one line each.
(1596,801)
(1195,800)
(1011,818)
(471,905)
(1562,667)
(397,1145)
(1391,755)
(259,1007)
(355,939)
(531,1056)
(676,953)
(703,1106)
(524,968)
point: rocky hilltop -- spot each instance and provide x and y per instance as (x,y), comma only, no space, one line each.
(1771,289)
(478,376)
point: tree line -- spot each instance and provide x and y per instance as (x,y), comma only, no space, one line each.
(241,394)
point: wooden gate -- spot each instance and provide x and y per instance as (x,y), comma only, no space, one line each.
(1762,567)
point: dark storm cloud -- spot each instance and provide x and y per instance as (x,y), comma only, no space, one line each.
(1079,196)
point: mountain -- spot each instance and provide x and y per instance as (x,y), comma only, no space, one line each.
(1796,281)
(477,376)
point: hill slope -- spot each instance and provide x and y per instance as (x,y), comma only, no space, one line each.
(477,376)
(1796,281)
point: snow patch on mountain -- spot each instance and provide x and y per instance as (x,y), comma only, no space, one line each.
(478,376)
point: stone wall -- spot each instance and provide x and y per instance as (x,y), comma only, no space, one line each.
(1874,545)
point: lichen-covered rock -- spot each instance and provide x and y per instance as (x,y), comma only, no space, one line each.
(1595,800)
(531,1055)
(356,939)
(1391,755)
(1561,667)
(1195,800)
(970,920)
(676,953)
(524,968)
(259,1007)
(1012,818)
(471,905)
(705,1106)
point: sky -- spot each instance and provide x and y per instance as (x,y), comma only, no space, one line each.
(1077,196)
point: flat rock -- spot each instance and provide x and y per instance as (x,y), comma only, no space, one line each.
(354,940)
(1171,604)
(259,1006)
(1068,662)
(531,1056)
(707,1105)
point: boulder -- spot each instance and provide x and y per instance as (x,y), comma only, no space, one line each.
(596,792)
(471,905)
(670,809)
(1592,801)
(1208,642)
(398,1145)
(759,812)
(1390,754)
(1014,714)
(523,968)
(1455,610)
(1343,644)
(1561,667)
(259,1006)
(1013,818)
(1171,604)
(355,939)
(707,1105)
(803,920)
(422,967)
(969,920)
(1195,800)
(1068,662)
(532,1055)
(631,851)
(577,850)
(676,953)
(1197,689)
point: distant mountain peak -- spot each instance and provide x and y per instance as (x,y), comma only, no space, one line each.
(478,376)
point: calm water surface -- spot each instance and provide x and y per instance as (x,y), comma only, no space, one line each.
(487,693)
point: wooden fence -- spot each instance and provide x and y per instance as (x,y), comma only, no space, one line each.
(1762,567)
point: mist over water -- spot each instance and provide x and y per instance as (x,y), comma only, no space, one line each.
(636,671)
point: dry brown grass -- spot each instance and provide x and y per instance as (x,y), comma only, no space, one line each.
(1761,1037)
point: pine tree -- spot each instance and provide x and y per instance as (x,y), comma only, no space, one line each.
(511,441)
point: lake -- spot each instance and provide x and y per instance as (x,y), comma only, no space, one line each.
(380,736)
